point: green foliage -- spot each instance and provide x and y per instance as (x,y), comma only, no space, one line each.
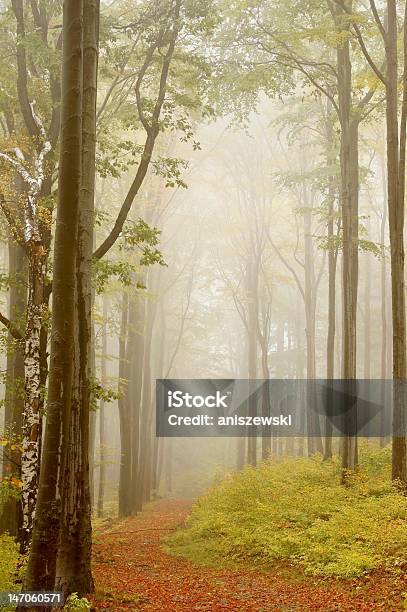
(170,168)
(10,488)
(9,559)
(105,270)
(329,243)
(146,238)
(368,246)
(334,243)
(136,235)
(133,45)
(98,392)
(117,158)
(295,510)
(10,452)
(75,603)
(140,233)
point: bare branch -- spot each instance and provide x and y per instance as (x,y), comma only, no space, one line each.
(320,272)
(288,266)
(363,47)
(22,88)
(152,133)
(11,327)
(291,59)
(142,72)
(11,220)
(183,319)
(117,79)
(378,20)
(25,175)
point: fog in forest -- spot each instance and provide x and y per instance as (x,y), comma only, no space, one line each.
(252,208)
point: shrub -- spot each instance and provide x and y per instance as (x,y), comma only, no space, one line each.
(9,558)
(74,603)
(295,510)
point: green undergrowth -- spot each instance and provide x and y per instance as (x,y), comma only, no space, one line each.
(295,511)
(9,561)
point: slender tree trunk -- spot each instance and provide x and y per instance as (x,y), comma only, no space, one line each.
(332,259)
(384,366)
(299,365)
(34,392)
(168,465)
(160,461)
(102,441)
(313,425)
(349,287)
(138,324)
(124,411)
(35,231)
(159,341)
(396,208)
(252,296)
(144,484)
(92,416)
(349,206)
(11,517)
(241,454)
(266,410)
(279,371)
(92,444)
(367,318)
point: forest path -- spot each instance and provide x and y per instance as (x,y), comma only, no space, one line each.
(132,572)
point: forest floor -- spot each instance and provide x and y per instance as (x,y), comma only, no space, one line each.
(132,571)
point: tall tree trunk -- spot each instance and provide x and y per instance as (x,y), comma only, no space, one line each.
(34,392)
(138,324)
(73,567)
(367,318)
(102,441)
(144,481)
(310,299)
(299,366)
(252,296)
(384,366)
(396,207)
(159,341)
(92,416)
(266,410)
(124,410)
(11,516)
(349,207)
(92,445)
(41,563)
(279,370)
(332,259)
(160,461)
(241,454)
(35,231)
(169,452)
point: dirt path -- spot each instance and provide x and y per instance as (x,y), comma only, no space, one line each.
(132,572)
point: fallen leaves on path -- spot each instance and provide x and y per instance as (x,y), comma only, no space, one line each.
(133,572)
